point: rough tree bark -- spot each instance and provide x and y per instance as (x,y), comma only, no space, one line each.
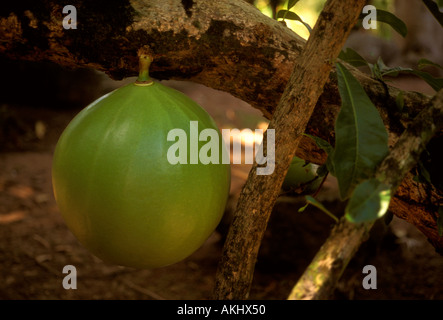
(227,45)
(310,73)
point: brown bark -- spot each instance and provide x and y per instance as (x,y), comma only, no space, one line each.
(311,71)
(227,45)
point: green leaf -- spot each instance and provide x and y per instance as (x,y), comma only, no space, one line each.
(323,144)
(394,72)
(292,3)
(369,201)
(380,70)
(302,209)
(352,57)
(282,14)
(435,83)
(317,204)
(285,14)
(390,19)
(382,66)
(330,164)
(322,170)
(375,71)
(361,139)
(422,63)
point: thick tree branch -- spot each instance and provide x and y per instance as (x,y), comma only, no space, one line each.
(311,71)
(321,276)
(227,45)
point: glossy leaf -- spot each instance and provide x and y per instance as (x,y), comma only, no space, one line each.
(325,145)
(286,14)
(361,137)
(291,3)
(352,57)
(322,170)
(330,164)
(321,143)
(435,83)
(422,63)
(392,20)
(370,200)
(380,70)
(319,205)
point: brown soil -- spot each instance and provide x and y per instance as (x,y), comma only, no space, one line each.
(35,244)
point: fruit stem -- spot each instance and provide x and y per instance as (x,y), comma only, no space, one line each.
(143,76)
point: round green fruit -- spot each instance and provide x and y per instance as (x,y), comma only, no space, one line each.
(116,189)
(302,175)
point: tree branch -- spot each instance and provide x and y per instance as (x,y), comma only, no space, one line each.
(226,45)
(311,71)
(321,276)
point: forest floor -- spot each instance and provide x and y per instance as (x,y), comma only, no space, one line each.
(35,243)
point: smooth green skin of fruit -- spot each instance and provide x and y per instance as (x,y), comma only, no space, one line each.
(299,174)
(117,191)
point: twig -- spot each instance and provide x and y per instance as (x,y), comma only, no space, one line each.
(321,276)
(321,185)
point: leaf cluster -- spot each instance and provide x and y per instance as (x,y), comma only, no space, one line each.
(361,139)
